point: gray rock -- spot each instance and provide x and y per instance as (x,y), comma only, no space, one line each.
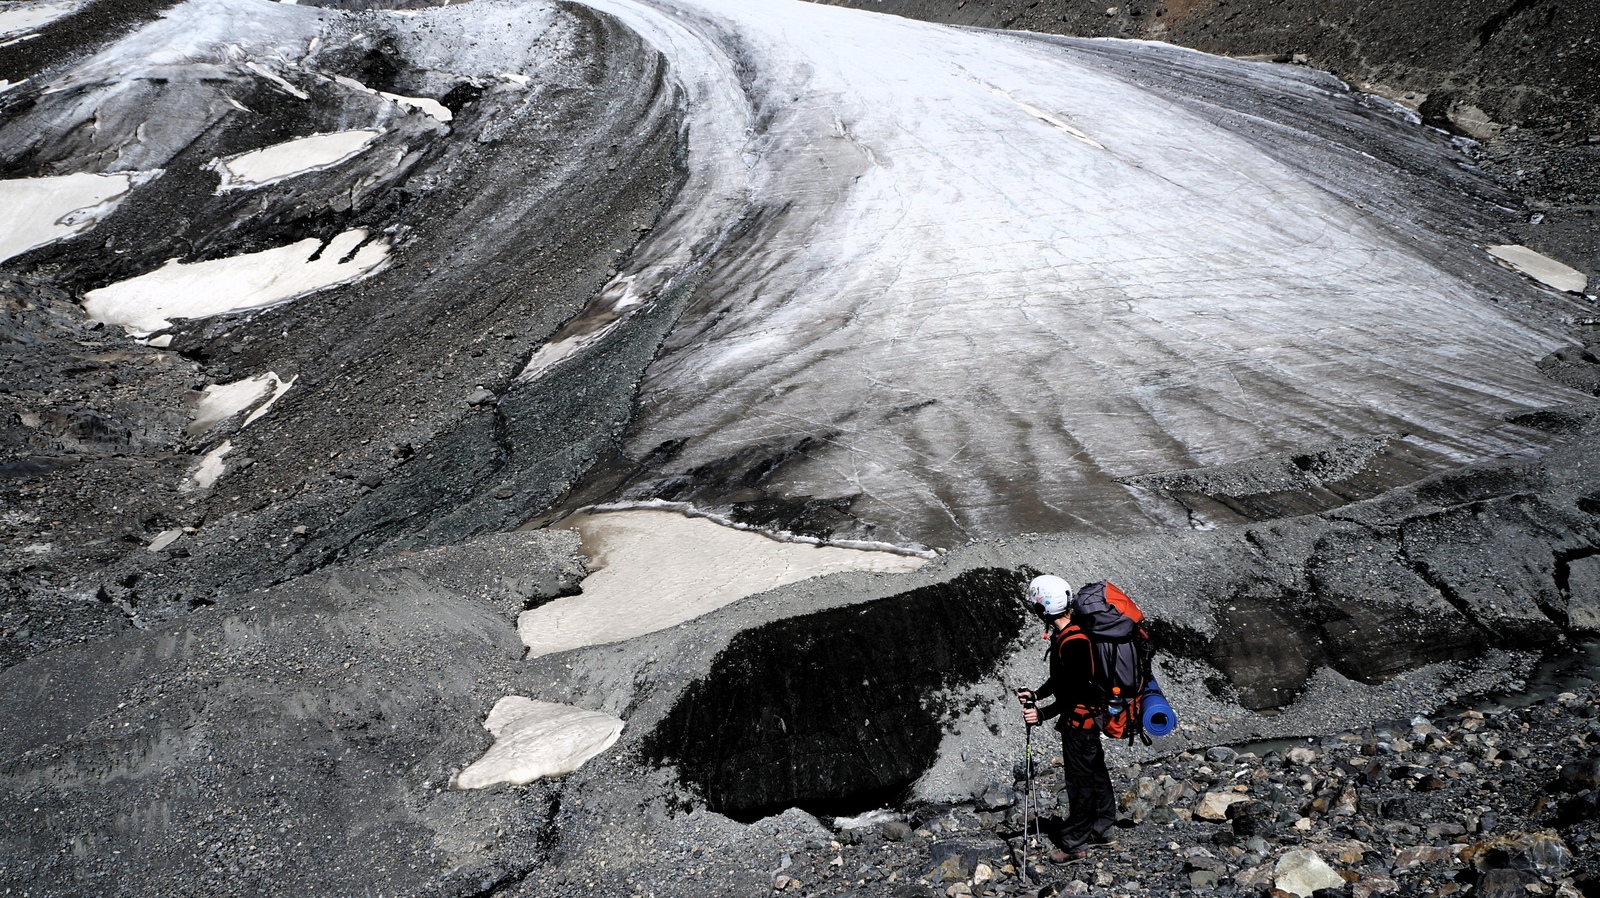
(996,796)
(1221,754)
(894,831)
(480,396)
(1575,776)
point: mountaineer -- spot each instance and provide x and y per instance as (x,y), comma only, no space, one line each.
(1098,670)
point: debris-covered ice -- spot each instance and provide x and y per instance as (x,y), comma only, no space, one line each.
(984,277)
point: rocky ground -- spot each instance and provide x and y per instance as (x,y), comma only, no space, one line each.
(1495,803)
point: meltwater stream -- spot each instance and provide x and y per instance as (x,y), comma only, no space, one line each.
(978,278)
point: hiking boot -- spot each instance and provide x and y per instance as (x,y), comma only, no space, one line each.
(1067,855)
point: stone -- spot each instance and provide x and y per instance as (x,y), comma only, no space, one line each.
(1214,805)
(1373,883)
(1346,804)
(982,873)
(1505,883)
(164,539)
(1257,878)
(894,830)
(1301,755)
(1543,853)
(956,890)
(1445,830)
(480,396)
(996,796)
(1202,879)
(1251,818)
(1575,776)
(1430,783)
(1221,754)
(1417,855)
(1302,872)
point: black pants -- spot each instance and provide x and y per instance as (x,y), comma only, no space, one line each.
(1091,805)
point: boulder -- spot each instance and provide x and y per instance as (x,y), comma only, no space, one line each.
(1541,853)
(1303,872)
(1214,805)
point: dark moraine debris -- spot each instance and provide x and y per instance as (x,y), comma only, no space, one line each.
(837,712)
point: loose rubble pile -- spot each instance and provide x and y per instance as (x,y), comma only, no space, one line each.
(1494,803)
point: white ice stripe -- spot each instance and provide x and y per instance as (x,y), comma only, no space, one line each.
(43,210)
(219,402)
(277,79)
(687,567)
(426,105)
(270,165)
(16,18)
(277,393)
(208,471)
(690,511)
(17,40)
(252,281)
(534,740)
(963,297)
(1541,268)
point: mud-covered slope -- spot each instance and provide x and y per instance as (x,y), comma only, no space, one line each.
(400,418)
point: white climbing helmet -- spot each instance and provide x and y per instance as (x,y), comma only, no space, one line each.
(1050,595)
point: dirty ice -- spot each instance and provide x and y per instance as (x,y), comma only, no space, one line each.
(981,280)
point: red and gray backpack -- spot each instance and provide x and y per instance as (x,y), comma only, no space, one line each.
(1120,657)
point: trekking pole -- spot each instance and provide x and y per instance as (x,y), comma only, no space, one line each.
(1028,802)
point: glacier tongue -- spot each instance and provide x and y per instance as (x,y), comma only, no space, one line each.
(983,279)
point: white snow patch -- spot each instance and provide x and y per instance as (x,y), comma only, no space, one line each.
(685,566)
(16,18)
(1541,268)
(44,210)
(250,281)
(219,402)
(427,105)
(209,471)
(534,739)
(7,85)
(281,161)
(515,78)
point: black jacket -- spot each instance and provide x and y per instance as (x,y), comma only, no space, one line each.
(1076,698)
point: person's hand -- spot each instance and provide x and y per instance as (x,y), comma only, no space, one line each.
(1030,716)
(1026,696)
